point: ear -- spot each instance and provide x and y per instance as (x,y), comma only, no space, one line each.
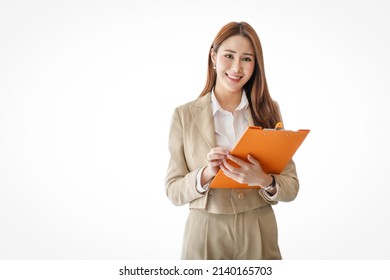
(213,55)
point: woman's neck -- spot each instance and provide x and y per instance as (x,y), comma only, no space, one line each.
(227,99)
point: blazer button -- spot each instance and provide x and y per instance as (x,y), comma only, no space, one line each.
(241,196)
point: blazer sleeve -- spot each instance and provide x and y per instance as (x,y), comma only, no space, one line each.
(180,182)
(288,184)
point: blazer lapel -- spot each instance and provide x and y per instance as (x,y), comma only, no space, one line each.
(203,117)
(202,113)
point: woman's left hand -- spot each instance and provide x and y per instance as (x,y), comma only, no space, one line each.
(250,173)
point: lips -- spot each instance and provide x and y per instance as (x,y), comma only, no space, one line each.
(234,78)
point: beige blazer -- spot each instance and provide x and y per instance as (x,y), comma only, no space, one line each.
(190,139)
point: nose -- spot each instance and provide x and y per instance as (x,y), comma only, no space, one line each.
(236,66)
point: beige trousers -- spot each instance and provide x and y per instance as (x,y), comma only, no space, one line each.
(244,236)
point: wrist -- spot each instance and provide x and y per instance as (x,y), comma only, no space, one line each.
(206,175)
(269,187)
(268,181)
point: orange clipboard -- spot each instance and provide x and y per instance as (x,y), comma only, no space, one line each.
(271,147)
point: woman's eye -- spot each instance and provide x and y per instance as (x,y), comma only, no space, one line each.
(246,59)
(228,56)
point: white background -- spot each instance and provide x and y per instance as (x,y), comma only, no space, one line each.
(87,89)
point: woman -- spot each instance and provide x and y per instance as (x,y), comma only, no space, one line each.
(227,223)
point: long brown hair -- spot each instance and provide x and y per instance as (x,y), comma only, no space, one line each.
(264,110)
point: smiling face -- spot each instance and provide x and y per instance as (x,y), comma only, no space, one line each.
(235,63)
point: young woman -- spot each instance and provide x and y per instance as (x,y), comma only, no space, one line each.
(227,223)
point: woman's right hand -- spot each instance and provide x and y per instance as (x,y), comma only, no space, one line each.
(215,158)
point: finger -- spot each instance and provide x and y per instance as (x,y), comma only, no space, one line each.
(220,150)
(213,157)
(234,176)
(237,160)
(230,167)
(214,163)
(253,160)
(233,168)
(227,172)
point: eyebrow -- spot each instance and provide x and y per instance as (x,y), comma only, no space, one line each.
(236,52)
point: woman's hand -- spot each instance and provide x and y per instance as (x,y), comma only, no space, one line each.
(250,173)
(215,159)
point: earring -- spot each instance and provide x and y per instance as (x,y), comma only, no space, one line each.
(214,67)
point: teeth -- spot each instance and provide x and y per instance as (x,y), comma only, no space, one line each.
(234,77)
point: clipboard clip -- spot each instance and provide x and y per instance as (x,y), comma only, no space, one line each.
(279,126)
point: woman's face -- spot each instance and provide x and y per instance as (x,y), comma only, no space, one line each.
(234,62)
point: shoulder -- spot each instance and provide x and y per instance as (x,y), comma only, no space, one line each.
(200,102)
